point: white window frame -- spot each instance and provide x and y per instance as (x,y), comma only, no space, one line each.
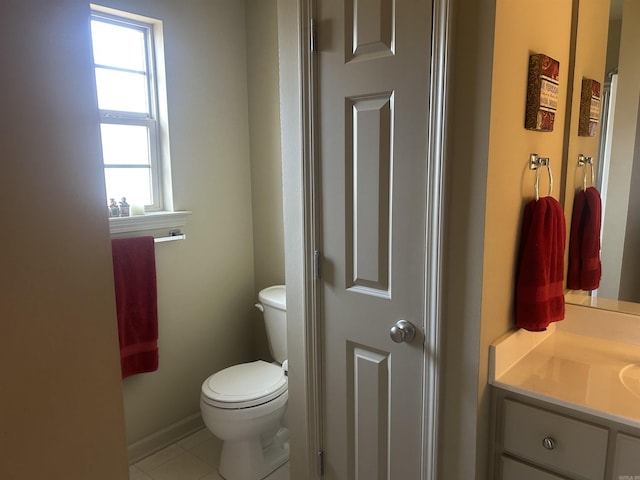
(161,214)
(150,120)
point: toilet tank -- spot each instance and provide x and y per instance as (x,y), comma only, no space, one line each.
(273,301)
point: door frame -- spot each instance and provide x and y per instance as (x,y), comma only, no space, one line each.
(297,89)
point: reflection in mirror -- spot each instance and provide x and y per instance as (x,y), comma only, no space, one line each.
(618,165)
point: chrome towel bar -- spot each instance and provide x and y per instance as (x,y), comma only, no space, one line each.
(173,235)
(535,162)
(583,161)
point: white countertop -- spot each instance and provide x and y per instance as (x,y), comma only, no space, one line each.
(571,365)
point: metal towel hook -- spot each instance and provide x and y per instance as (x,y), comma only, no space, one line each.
(534,163)
(583,162)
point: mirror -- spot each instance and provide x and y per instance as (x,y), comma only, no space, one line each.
(615,148)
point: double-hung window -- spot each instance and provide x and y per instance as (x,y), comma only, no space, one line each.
(126,83)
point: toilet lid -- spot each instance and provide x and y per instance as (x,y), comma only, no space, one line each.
(245,385)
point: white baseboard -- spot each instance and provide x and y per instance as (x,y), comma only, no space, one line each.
(165,437)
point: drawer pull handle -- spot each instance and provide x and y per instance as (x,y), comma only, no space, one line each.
(549,443)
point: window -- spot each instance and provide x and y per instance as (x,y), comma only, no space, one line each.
(127,90)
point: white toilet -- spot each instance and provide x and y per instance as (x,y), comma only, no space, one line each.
(244,405)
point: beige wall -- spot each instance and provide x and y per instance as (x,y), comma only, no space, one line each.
(61,402)
(266,158)
(266,162)
(521,28)
(466,172)
(205,284)
(222,81)
(590,62)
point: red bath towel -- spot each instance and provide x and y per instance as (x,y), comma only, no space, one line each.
(585,268)
(539,289)
(134,272)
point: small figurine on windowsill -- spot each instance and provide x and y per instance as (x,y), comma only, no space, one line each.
(124,207)
(114,211)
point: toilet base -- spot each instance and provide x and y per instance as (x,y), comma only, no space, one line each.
(254,459)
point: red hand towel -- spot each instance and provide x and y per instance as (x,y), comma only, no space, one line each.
(134,272)
(575,242)
(539,289)
(585,268)
(591,265)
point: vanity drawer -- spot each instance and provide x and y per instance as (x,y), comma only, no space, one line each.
(573,447)
(626,462)
(514,470)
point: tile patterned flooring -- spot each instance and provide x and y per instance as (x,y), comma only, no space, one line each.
(192,458)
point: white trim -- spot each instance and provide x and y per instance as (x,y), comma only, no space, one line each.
(151,221)
(157,119)
(294,17)
(312,234)
(165,437)
(434,268)
(512,347)
(299,191)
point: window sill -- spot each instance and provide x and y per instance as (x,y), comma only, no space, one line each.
(149,221)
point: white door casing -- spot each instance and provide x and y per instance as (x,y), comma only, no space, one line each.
(373,74)
(297,82)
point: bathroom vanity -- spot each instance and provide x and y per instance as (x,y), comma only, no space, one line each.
(566,402)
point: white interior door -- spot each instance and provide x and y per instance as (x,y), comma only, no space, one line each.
(373,104)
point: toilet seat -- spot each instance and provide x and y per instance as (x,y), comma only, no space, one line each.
(245,385)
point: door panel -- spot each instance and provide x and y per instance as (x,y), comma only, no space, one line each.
(369,29)
(368,398)
(368,136)
(373,86)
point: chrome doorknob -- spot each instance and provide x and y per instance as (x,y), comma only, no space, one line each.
(402,331)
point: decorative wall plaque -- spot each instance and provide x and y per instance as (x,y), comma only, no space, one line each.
(589,108)
(542,93)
